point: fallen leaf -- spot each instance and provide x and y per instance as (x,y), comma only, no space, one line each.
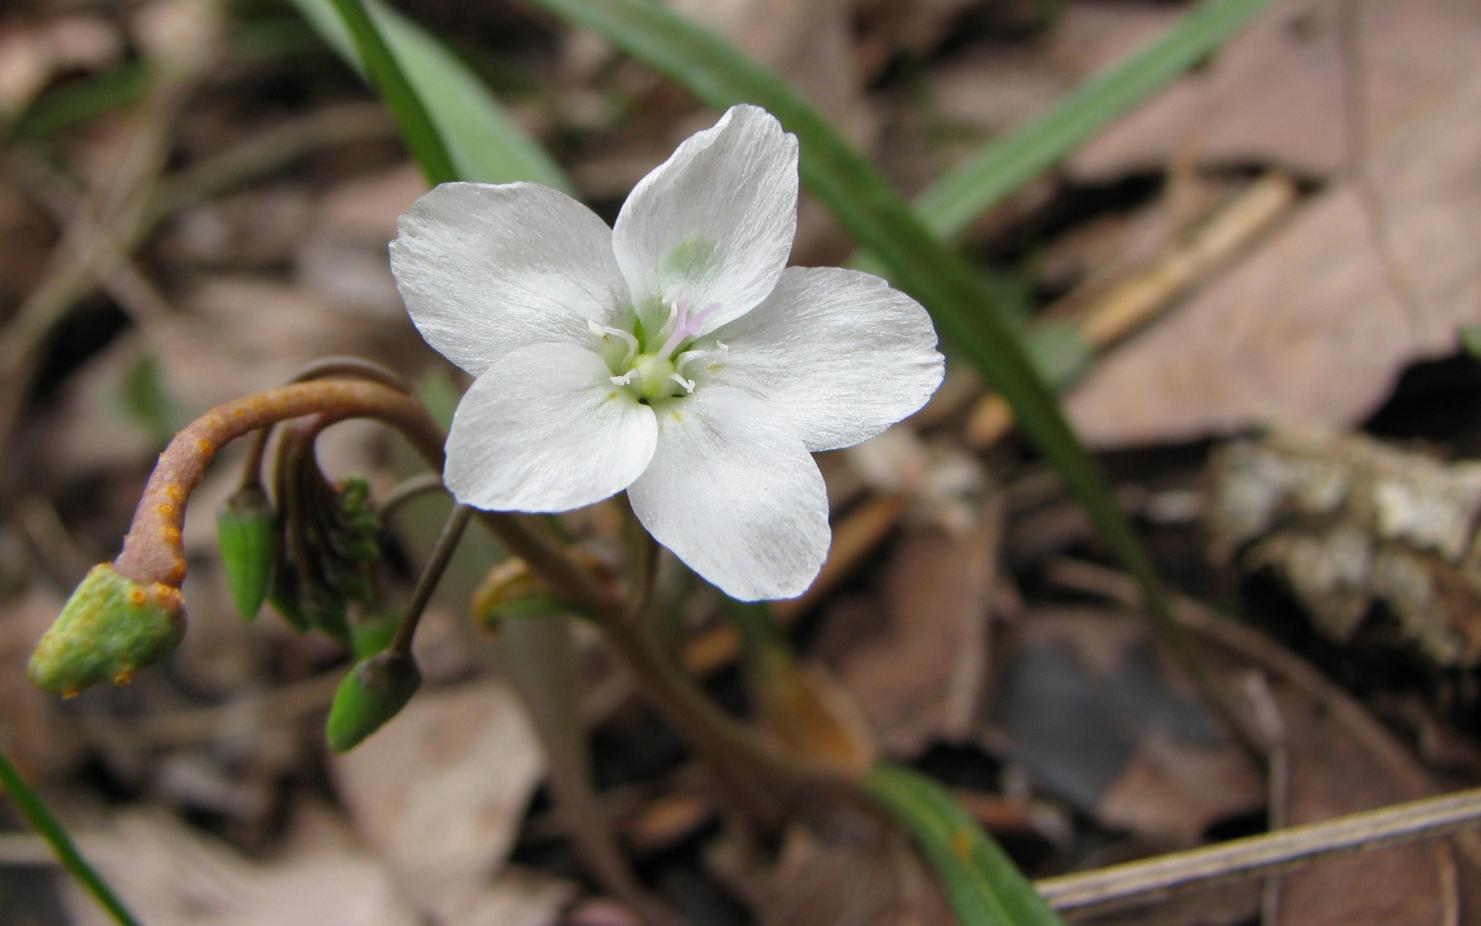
(1311,327)
(912,658)
(168,874)
(440,793)
(1277,94)
(1097,717)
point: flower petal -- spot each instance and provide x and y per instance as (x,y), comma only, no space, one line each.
(838,354)
(735,496)
(544,430)
(714,222)
(485,269)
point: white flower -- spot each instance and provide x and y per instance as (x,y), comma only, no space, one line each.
(672,356)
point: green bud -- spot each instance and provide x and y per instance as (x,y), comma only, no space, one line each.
(109,628)
(244,532)
(371,693)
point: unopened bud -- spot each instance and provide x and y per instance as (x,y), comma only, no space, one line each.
(110,628)
(244,533)
(371,693)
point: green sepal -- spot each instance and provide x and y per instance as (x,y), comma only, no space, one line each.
(371,693)
(110,627)
(245,535)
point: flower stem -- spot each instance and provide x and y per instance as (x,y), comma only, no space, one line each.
(152,549)
(763,778)
(442,554)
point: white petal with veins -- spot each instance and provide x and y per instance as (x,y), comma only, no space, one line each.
(485,269)
(544,430)
(714,222)
(839,354)
(734,494)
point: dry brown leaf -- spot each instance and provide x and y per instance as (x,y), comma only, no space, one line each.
(912,659)
(1339,760)
(1277,93)
(1098,717)
(169,874)
(440,793)
(854,870)
(1311,327)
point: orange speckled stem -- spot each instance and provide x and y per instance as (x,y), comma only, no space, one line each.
(764,779)
(152,551)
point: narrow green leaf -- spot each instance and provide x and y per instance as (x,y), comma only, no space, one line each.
(418,132)
(982,180)
(982,885)
(884,224)
(1059,352)
(77,102)
(47,826)
(143,397)
(485,145)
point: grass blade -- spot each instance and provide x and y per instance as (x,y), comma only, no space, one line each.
(418,133)
(982,180)
(46,825)
(982,885)
(908,252)
(483,143)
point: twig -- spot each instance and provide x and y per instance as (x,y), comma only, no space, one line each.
(1278,780)
(86,260)
(1137,883)
(1138,299)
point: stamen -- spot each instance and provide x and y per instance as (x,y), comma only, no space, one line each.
(691,356)
(688,384)
(625,379)
(604,331)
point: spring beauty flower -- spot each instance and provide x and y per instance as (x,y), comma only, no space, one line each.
(674,355)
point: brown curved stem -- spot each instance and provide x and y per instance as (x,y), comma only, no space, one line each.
(152,551)
(766,780)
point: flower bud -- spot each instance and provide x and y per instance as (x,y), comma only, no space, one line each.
(110,627)
(244,533)
(371,693)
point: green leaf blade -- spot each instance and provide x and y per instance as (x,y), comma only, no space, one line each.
(482,142)
(961,195)
(982,885)
(30,805)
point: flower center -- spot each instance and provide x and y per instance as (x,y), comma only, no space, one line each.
(652,375)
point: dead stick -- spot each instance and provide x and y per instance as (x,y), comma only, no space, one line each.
(1137,883)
